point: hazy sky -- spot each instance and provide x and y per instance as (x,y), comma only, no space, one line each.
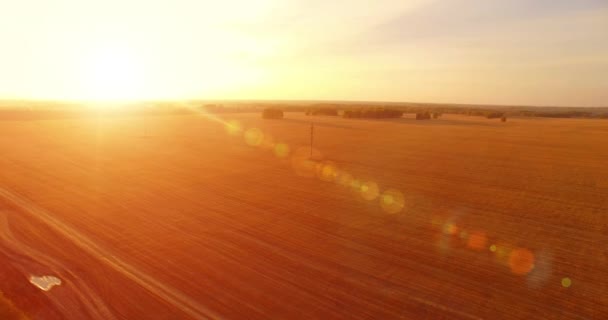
(544,52)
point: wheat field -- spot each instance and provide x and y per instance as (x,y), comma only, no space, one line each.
(199,216)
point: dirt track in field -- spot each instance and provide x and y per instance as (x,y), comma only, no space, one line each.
(173,217)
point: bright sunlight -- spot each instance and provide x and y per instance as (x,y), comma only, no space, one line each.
(286,49)
(112,73)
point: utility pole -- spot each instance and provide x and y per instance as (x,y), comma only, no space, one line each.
(311,137)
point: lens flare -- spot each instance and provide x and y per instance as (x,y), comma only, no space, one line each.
(254,137)
(543,268)
(521,261)
(503,252)
(233,127)
(369,190)
(344,179)
(493,248)
(477,240)
(392,201)
(281,150)
(327,172)
(566,282)
(450,229)
(302,163)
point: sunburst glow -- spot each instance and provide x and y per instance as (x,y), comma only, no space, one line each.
(112,73)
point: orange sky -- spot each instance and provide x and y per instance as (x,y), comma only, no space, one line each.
(465,51)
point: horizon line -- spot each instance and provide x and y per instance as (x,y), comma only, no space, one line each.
(237,100)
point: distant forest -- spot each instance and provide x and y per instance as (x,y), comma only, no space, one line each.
(472,110)
(415,108)
(24,110)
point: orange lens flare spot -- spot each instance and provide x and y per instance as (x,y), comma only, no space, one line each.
(344,179)
(450,229)
(281,150)
(328,172)
(521,261)
(302,163)
(392,201)
(566,282)
(233,127)
(493,248)
(477,241)
(254,137)
(369,191)
(502,253)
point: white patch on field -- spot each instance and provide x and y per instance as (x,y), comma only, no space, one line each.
(45,283)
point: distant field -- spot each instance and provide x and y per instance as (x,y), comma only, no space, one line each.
(175,217)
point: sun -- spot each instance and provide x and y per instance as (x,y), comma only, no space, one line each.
(111,74)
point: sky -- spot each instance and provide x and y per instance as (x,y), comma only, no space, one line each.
(516,52)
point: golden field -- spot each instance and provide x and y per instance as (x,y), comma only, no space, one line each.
(195,216)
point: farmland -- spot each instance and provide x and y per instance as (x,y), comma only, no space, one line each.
(194,216)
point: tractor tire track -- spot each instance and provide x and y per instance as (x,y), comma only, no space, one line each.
(171,295)
(27,257)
